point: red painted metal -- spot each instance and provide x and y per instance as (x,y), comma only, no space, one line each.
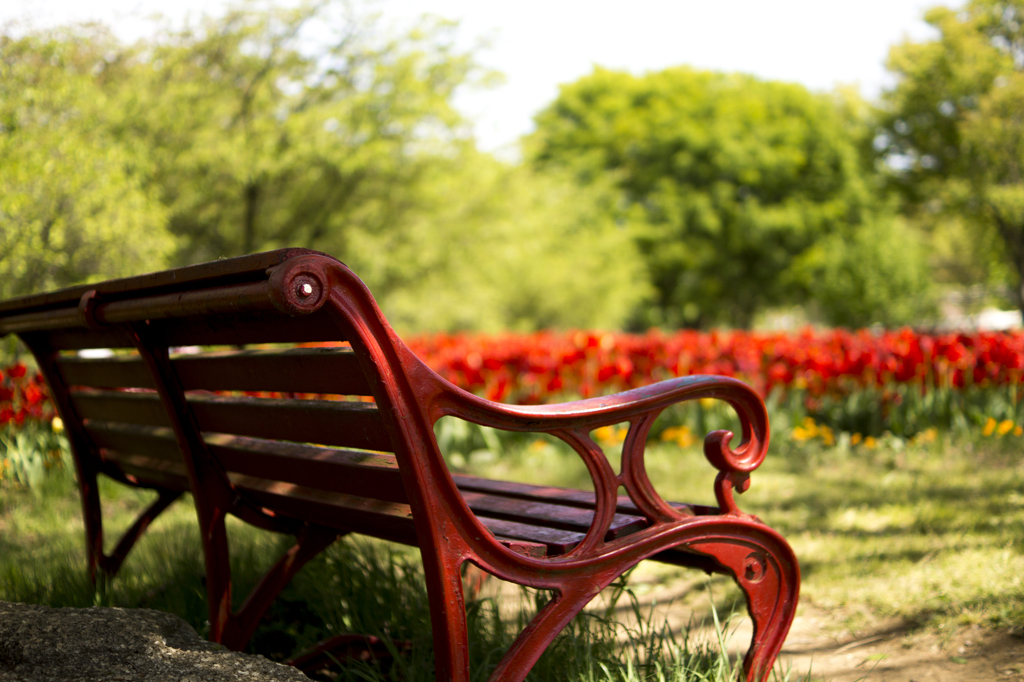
(296,296)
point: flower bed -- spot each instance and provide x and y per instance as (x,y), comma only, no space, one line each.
(842,381)
(819,382)
(533,368)
(23,396)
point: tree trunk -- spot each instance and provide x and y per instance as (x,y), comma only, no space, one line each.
(1013,237)
(252,195)
(1019,262)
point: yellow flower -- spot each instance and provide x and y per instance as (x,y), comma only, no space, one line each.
(1018,431)
(1005,427)
(680,434)
(856,438)
(609,435)
(870,442)
(827,437)
(990,426)
(57,425)
(707,403)
(538,444)
(806,431)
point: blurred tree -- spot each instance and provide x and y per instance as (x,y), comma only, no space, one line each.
(953,135)
(263,129)
(874,273)
(287,126)
(495,246)
(301,127)
(70,209)
(736,180)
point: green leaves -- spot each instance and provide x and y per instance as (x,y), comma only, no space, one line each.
(953,128)
(295,127)
(287,126)
(735,178)
(71,211)
(493,247)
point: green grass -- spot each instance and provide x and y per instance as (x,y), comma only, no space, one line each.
(930,534)
(357,586)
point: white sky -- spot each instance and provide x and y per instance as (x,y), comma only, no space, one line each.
(539,44)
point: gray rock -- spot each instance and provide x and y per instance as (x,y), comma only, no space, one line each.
(41,644)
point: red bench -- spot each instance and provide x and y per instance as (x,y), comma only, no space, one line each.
(320,468)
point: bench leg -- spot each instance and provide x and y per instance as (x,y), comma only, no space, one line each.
(218,574)
(542,630)
(312,541)
(759,560)
(92,515)
(235,629)
(767,572)
(112,563)
(87,468)
(443,575)
(109,564)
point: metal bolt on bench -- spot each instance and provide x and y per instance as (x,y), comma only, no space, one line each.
(320,469)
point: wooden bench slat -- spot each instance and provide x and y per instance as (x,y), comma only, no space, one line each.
(341,423)
(248,329)
(369,474)
(326,422)
(143,409)
(387,520)
(547,514)
(251,267)
(556,541)
(79,338)
(302,370)
(150,470)
(115,372)
(565,496)
(253,328)
(153,441)
(384,520)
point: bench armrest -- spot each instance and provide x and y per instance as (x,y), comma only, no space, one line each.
(573,421)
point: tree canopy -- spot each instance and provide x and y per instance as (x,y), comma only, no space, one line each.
(953,129)
(294,127)
(676,198)
(736,180)
(287,126)
(71,210)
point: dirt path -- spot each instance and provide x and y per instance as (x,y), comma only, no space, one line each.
(817,643)
(880,652)
(887,653)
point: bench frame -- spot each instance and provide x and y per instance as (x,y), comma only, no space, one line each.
(298,285)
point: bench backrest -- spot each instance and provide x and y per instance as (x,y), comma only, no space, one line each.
(213,350)
(208,422)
